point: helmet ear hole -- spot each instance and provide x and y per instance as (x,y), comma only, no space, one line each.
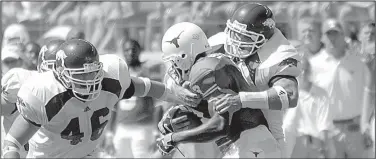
(183,56)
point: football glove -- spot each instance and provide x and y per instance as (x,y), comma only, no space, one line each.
(178,118)
(165,144)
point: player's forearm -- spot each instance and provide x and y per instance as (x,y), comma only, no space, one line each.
(211,130)
(282,95)
(275,98)
(18,135)
(146,87)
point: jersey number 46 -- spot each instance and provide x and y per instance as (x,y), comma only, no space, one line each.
(73,133)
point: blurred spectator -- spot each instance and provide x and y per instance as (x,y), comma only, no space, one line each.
(131,52)
(31,54)
(367,44)
(135,123)
(75,33)
(11,57)
(367,122)
(341,74)
(367,39)
(310,36)
(308,127)
(15,33)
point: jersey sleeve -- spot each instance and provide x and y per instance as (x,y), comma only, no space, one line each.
(290,66)
(125,81)
(11,83)
(287,65)
(117,77)
(31,107)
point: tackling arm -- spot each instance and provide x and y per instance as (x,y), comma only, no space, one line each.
(146,87)
(282,95)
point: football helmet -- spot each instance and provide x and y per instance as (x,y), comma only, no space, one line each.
(47,55)
(78,68)
(248,29)
(181,44)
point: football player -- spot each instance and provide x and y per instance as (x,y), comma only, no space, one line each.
(267,60)
(64,111)
(238,134)
(13,80)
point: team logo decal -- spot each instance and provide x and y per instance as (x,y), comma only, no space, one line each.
(20,102)
(269,23)
(257,152)
(175,40)
(60,56)
(290,62)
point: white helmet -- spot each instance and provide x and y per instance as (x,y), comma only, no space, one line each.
(181,44)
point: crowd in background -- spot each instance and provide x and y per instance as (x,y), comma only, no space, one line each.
(134,31)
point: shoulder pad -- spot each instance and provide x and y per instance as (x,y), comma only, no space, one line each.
(117,78)
(34,96)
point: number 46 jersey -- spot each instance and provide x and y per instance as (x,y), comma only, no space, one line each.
(70,128)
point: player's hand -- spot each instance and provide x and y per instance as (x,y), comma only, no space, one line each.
(168,125)
(186,96)
(228,103)
(164,145)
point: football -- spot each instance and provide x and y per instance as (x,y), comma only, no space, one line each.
(194,120)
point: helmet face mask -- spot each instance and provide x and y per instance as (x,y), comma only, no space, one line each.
(180,66)
(46,65)
(241,42)
(85,83)
(84,78)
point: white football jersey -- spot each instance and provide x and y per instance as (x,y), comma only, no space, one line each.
(276,58)
(70,128)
